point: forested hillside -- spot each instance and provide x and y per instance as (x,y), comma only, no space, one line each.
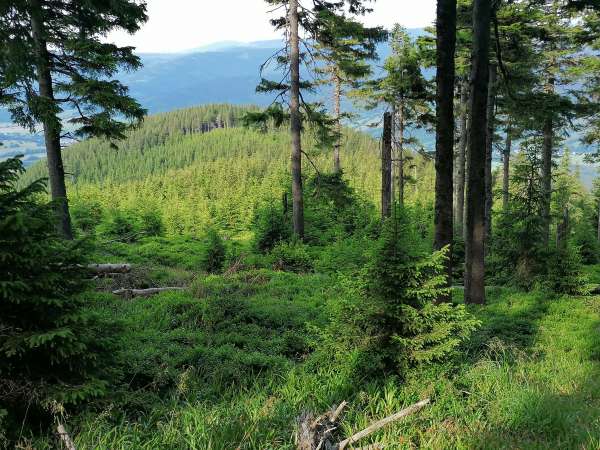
(264,278)
(200,166)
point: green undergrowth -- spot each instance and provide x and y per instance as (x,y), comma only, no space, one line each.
(231,361)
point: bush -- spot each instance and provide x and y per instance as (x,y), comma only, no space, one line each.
(292,257)
(391,315)
(119,226)
(271,228)
(86,215)
(586,240)
(565,272)
(335,210)
(151,224)
(214,256)
(50,346)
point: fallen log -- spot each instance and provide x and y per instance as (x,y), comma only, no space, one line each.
(130,293)
(382,423)
(104,269)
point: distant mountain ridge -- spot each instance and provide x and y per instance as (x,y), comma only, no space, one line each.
(222,72)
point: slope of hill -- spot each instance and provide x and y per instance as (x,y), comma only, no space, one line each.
(194,167)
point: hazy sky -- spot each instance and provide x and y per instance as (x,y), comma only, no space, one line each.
(176,25)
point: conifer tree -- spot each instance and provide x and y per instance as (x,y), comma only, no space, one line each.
(319,23)
(475,213)
(345,47)
(444,144)
(51,348)
(55,67)
(405,92)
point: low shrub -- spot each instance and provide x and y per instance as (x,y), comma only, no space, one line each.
(151,224)
(270,228)
(119,226)
(86,215)
(292,257)
(214,254)
(565,272)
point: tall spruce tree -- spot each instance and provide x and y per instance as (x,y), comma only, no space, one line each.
(345,48)
(317,22)
(444,142)
(405,92)
(475,212)
(55,70)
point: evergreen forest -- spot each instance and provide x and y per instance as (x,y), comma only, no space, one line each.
(231,276)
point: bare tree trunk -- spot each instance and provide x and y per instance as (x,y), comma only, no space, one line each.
(401,154)
(562,230)
(548,133)
(598,220)
(386,166)
(475,212)
(337,98)
(506,166)
(295,120)
(444,142)
(52,125)
(459,215)
(394,138)
(489,147)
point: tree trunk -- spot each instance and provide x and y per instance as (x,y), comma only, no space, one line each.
(562,231)
(489,147)
(386,167)
(506,166)
(475,211)
(51,122)
(401,154)
(394,139)
(337,98)
(548,133)
(599,220)
(459,216)
(444,142)
(296,160)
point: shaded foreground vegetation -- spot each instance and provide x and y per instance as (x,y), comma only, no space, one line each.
(231,361)
(264,326)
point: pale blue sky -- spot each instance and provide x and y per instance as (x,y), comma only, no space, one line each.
(178,25)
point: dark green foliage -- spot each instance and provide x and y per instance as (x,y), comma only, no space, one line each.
(81,65)
(391,318)
(458,259)
(151,224)
(86,216)
(119,226)
(271,227)
(335,210)
(291,257)
(564,271)
(214,256)
(49,344)
(517,252)
(584,238)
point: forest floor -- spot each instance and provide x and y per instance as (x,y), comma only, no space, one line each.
(227,364)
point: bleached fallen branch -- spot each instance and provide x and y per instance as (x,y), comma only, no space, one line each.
(130,293)
(65,438)
(103,269)
(382,423)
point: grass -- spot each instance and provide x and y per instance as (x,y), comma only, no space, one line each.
(227,364)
